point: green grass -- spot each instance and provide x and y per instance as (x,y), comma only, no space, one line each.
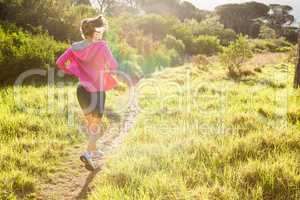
(207,137)
(35,135)
(210,137)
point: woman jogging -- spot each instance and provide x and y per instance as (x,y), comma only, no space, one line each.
(87,60)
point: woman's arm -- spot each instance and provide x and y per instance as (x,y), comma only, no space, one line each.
(61,61)
(109,59)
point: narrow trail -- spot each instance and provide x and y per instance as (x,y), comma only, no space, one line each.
(74,181)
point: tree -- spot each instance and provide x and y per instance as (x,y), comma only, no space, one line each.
(185,34)
(173,43)
(241,17)
(132,3)
(212,26)
(206,45)
(158,6)
(84,2)
(59,18)
(235,55)
(291,34)
(279,16)
(280,19)
(103,5)
(187,10)
(297,71)
(156,25)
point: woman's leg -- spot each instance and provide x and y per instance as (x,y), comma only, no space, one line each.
(94,130)
(93,116)
(94,122)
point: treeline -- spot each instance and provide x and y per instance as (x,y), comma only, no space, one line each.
(145,35)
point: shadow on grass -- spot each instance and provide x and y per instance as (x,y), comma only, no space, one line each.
(83,194)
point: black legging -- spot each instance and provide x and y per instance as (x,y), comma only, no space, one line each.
(91,102)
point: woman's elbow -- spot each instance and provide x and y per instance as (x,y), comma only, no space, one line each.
(59,64)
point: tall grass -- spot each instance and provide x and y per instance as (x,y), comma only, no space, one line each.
(38,126)
(209,137)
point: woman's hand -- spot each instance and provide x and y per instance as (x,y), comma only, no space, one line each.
(120,77)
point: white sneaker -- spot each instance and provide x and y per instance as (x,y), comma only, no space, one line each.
(98,154)
(86,158)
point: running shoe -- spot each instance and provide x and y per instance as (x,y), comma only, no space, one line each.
(87,159)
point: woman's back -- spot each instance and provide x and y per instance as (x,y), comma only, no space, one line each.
(88,62)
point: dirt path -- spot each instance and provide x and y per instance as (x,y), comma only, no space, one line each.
(74,181)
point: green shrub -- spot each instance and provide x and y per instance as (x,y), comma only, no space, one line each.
(178,48)
(235,55)
(281,42)
(21,51)
(47,15)
(292,54)
(266,32)
(158,58)
(270,45)
(138,52)
(201,62)
(156,25)
(185,34)
(127,56)
(212,26)
(131,68)
(261,45)
(173,43)
(206,45)
(283,49)
(227,36)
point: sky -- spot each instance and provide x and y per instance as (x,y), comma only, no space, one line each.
(210,4)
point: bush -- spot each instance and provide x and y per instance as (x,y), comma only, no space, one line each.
(201,62)
(158,58)
(185,34)
(270,45)
(212,26)
(235,55)
(281,42)
(293,54)
(261,45)
(172,43)
(21,51)
(206,45)
(227,36)
(178,46)
(156,25)
(144,55)
(127,56)
(131,68)
(283,49)
(267,32)
(47,15)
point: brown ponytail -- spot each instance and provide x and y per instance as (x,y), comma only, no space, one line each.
(88,25)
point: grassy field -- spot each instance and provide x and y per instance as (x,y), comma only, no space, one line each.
(199,135)
(202,135)
(38,126)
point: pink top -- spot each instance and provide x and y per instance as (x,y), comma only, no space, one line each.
(87,62)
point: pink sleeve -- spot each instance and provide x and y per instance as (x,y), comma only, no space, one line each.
(110,60)
(60,62)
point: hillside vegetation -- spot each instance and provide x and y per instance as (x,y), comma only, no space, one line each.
(218,117)
(145,36)
(38,129)
(201,135)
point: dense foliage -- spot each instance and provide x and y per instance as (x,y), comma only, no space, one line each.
(235,55)
(20,51)
(145,35)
